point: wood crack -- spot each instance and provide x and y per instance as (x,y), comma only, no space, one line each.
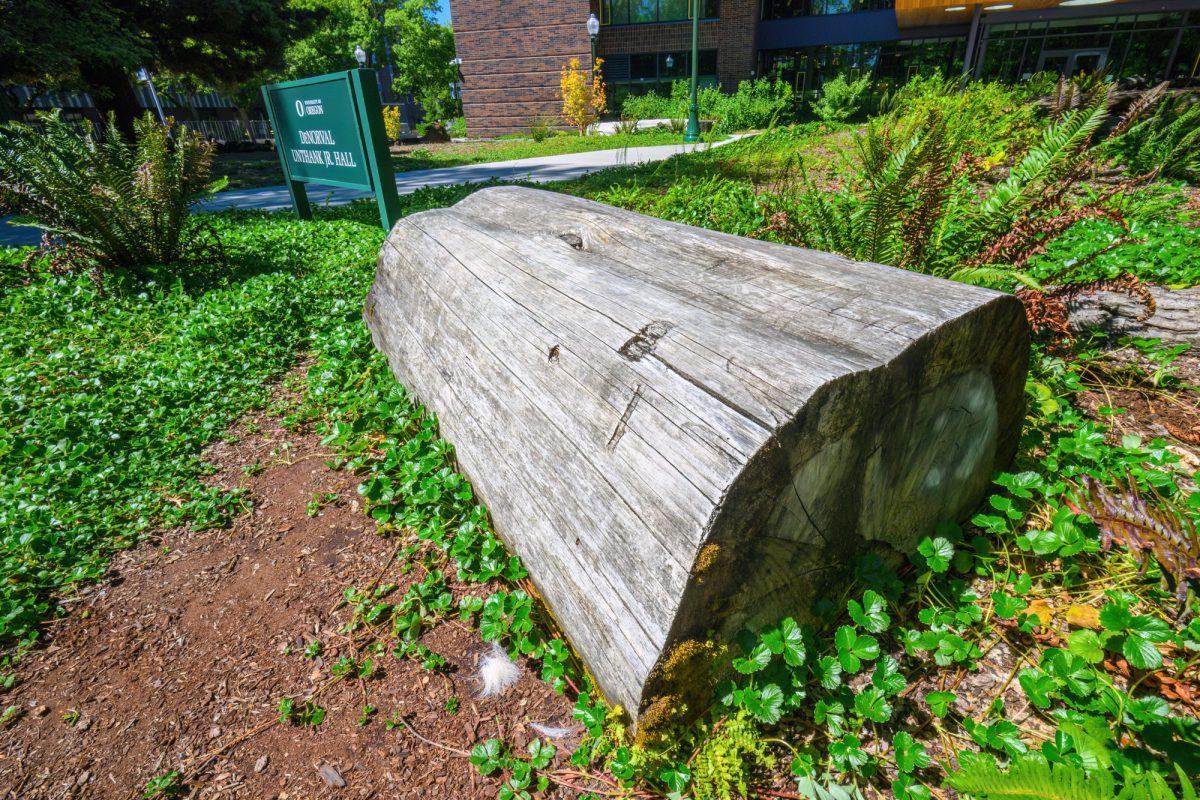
(623,423)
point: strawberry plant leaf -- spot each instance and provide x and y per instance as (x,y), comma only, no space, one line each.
(871,615)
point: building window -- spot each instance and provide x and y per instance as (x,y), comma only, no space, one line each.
(636,12)
(642,73)
(888,64)
(1137,47)
(783,9)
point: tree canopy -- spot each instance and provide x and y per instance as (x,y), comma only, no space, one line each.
(422,50)
(95,44)
(231,45)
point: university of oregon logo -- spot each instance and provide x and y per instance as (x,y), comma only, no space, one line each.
(309,108)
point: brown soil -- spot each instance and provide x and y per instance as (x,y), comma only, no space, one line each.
(1170,411)
(179,661)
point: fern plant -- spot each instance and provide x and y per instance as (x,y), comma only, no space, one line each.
(840,99)
(917,203)
(728,757)
(1032,777)
(105,205)
(878,220)
(1166,142)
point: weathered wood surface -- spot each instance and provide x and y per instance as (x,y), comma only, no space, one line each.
(683,432)
(1175,318)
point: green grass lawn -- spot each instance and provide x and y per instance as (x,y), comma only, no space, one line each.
(246,171)
(107,399)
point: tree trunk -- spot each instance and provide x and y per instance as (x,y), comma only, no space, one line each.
(113,94)
(683,432)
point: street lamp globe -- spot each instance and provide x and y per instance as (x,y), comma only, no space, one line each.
(593,25)
(360,55)
(670,62)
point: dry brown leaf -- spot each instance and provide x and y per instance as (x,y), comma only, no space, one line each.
(1082,616)
(1043,610)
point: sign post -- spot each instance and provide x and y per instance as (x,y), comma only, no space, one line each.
(329,129)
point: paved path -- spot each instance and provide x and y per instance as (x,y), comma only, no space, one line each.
(536,170)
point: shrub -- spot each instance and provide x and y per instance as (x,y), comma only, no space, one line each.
(840,99)
(627,126)
(1039,84)
(457,127)
(916,204)
(391,122)
(653,106)
(583,96)
(542,128)
(107,206)
(985,119)
(718,203)
(760,103)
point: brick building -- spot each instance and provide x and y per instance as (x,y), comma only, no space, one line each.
(512,50)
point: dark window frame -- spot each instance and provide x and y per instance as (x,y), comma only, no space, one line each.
(791,9)
(710,11)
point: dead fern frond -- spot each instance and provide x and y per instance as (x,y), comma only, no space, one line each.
(1141,106)
(1047,310)
(1124,516)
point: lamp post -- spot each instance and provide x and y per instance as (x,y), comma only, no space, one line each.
(360,56)
(143,76)
(456,85)
(692,134)
(593,28)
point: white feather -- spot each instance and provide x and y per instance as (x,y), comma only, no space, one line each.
(551,732)
(497,673)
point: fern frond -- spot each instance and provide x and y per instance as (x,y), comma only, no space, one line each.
(1139,108)
(1063,146)
(995,276)
(1028,778)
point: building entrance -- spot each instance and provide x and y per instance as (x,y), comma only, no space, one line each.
(1073,62)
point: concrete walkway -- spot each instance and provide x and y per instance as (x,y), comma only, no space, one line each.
(545,169)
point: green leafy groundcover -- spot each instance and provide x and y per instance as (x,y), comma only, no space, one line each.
(107,397)
(854,698)
(106,402)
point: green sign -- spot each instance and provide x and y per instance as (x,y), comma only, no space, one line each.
(329,129)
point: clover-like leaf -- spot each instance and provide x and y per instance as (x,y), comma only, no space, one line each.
(786,640)
(1007,606)
(830,713)
(829,672)
(1086,644)
(940,702)
(848,755)
(765,704)
(853,648)
(1038,686)
(756,661)
(871,615)
(541,753)
(910,754)
(872,704)
(887,676)
(937,552)
(487,757)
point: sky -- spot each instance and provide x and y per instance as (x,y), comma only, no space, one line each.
(444,12)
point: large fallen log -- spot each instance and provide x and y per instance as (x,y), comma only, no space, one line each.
(1174,316)
(683,432)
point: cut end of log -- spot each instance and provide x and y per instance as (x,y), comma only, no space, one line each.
(684,433)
